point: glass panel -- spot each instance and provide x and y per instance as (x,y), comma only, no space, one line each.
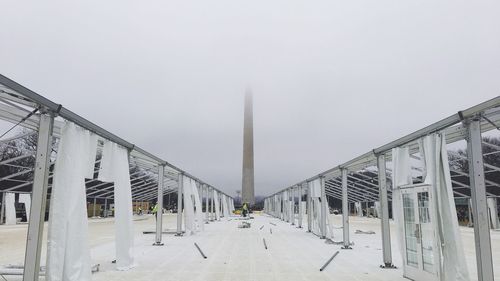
(410,227)
(427,232)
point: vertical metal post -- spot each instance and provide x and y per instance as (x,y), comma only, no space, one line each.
(309,208)
(324,208)
(179,204)
(479,206)
(384,210)
(345,210)
(300,206)
(206,204)
(292,205)
(159,212)
(39,198)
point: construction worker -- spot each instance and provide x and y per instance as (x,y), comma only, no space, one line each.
(155,210)
(245,210)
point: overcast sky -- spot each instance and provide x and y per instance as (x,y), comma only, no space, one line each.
(331,79)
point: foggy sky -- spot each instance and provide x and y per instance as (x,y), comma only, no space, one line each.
(331,79)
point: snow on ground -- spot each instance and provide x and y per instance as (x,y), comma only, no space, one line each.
(239,254)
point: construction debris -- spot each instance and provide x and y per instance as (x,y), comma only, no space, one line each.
(244,224)
(201,252)
(364,232)
(265,245)
(328,262)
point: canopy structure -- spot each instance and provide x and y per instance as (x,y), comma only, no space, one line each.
(367,179)
(32,165)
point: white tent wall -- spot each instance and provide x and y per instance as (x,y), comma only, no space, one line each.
(315,186)
(359,209)
(216,205)
(26,199)
(225,206)
(401,175)
(199,224)
(376,208)
(68,253)
(453,266)
(493,212)
(189,215)
(10,208)
(115,168)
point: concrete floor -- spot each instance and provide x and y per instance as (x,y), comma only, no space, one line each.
(239,254)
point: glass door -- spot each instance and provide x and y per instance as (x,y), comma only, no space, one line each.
(419,239)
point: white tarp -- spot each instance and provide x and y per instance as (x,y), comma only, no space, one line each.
(26,199)
(359,209)
(115,168)
(10,208)
(68,253)
(315,186)
(453,266)
(225,207)
(376,208)
(493,211)
(400,176)
(200,223)
(216,205)
(189,216)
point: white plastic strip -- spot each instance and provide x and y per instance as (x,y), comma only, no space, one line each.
(10,208)
(115,168)
(68,253)
(26,199)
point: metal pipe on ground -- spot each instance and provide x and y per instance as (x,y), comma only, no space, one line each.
(329,261)
(201,252)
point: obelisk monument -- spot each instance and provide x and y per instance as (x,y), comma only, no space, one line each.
(247,190)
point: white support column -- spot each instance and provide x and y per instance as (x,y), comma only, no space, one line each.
(479,206)
(324,208)
(159,212)
(301,208)
(292,205)
(309,208)
(384,213)
(179,204)
(345,210)
(39,198)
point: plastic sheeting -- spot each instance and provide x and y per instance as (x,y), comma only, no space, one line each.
(115,168)
(493,210)
(453,266)
(189,219)
(199,223)
(376,208)
(400,176)
(26,199)
(216,205)
(225,207)
(68,253)
(10,208)
(359,209)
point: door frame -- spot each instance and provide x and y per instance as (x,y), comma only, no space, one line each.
(419,273)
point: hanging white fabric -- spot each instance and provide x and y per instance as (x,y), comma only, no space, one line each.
(376,209)
(401,175)
(198,208)
(359,209)
(115,168)
(453,266)
(26,199)
(189,216)
(225,208)
(216,205)
(10,208)
(68,252)
(493,212)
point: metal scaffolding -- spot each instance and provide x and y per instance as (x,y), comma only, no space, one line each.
(150,176)
(367,179)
